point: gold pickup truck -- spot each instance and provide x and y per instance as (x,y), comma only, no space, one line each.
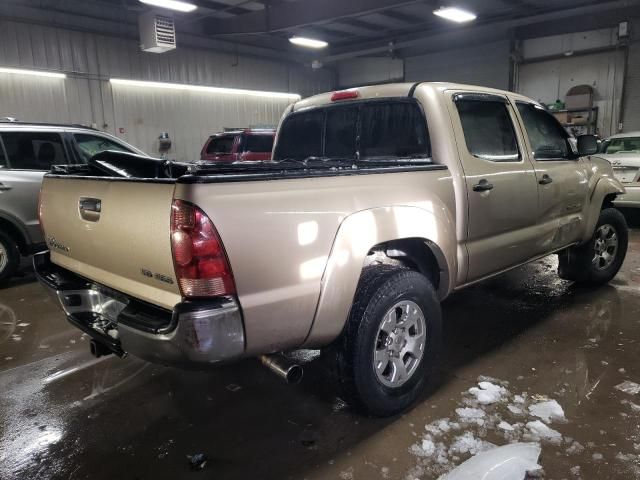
(379,203)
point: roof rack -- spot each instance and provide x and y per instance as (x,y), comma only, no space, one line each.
(13,121)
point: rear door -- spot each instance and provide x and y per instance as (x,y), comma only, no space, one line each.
(26,157)
(255,147)
(562,178)
(502,190)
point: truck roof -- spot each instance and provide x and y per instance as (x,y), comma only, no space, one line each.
(400,90)
(625,135)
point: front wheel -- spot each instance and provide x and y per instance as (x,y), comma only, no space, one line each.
(599,260)
(392,340)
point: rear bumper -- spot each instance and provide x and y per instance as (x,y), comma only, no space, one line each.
(631,198)
(194,333)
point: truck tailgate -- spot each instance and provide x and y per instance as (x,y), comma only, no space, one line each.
(113,232)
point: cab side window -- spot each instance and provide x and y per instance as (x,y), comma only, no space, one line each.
(33,150)
(488,130)
(549,141)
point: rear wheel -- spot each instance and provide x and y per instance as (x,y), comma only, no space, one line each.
(392,340)
(599,260)
(9,257)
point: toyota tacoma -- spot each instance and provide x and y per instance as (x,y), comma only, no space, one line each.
(378,203)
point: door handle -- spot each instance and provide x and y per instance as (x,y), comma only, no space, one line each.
(4,188)
(545,180)
(90,208)
(483,186)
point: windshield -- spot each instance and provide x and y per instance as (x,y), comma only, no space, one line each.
(379,129)
(622,145)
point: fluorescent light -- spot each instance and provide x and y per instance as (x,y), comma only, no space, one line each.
(203,88)
(455,14)
(36,73)
(171,5)
(308,42)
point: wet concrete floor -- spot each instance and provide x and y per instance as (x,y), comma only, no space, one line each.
(64,414)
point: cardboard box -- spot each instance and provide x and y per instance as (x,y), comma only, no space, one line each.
(584,100)
(579,118)
(562,117)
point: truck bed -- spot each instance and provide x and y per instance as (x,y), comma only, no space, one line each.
(279,224)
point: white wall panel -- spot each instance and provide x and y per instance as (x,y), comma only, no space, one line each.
(189,117)
(87,97)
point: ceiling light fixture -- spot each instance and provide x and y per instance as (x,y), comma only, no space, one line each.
(171,5)
(35,73)
(308,42)
(204,88)
(455,14)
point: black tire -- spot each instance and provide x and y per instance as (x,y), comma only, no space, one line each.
(379,289)
(12,257)
(577,263)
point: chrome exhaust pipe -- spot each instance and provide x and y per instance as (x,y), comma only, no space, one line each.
(284,368)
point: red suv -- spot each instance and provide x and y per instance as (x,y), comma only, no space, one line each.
(248,144)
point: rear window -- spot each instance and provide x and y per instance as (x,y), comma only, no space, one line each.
(257,143)
(221,144)
(33,150)
(364,130)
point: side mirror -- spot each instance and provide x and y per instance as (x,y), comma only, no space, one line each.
(587,145)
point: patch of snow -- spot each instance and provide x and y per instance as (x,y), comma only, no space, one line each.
(548,411)
(470,414)
(631,388)
(468,443)
(16,338)
(517,411)
(539,431)
(576,448)
(488,393)
(23,324)
(506,462)
(597,456)
(505,426)
(575,470)
(518,399)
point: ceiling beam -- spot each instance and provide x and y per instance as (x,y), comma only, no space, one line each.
(285,16)
(380,46)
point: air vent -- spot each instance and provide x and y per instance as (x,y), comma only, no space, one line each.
(157,32)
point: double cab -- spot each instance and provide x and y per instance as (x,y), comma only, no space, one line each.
(379,202)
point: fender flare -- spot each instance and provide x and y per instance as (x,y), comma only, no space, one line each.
(357,235)
(605,186)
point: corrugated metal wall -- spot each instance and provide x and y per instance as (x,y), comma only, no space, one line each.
(86,96)
(486,65)
(631,108)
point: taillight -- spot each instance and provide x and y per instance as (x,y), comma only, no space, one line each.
(199,259)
